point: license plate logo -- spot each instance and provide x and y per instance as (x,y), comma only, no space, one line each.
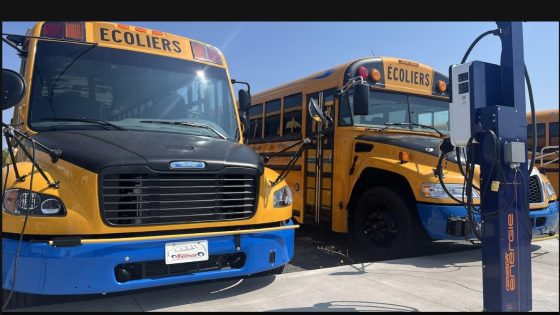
(182,252)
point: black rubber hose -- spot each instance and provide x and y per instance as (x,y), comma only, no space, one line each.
(533,120)
(495,32)
(22,230)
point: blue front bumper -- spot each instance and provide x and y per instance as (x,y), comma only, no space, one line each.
(90,268)
(434,219)
(545,221)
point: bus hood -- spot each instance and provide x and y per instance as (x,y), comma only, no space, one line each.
(97,149)
(424,144)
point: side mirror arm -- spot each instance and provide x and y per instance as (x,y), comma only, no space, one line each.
(233,81)
(305,142)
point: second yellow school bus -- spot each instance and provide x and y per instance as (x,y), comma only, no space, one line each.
(372,175)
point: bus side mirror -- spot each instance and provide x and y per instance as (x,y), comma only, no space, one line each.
(244,101)
(316,112)
(13,88)
(360,99)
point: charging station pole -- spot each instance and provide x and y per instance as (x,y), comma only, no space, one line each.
(488,103)
(506,227)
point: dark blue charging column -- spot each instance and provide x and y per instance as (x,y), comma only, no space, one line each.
(498,103)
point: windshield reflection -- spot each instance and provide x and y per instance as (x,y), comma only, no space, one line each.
(74,83)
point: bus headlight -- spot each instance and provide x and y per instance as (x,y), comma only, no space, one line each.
(434,190)
(549,189)
(283,197)
(16,202)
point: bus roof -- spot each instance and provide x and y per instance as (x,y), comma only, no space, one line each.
(134,38)
(337,76)
(545,113)
(329,74)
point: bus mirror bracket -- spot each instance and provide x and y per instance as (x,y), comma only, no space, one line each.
(304,143)
(360,97)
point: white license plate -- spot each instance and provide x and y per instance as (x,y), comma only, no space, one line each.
(182,252)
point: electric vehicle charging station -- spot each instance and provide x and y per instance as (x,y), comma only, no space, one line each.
(487,112)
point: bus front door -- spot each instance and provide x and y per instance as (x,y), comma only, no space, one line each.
(318,166)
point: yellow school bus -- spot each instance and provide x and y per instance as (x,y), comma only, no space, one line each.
(372,175)
(546,157)
(147,180)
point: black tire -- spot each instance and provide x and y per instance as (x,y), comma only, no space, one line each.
(383,225)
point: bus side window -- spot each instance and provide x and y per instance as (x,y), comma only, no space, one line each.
(255,122)
(272,119)
(292,115)
(553,133)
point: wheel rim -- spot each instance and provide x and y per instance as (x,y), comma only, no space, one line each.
(380,226)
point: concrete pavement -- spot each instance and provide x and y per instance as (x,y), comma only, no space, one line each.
(447,282)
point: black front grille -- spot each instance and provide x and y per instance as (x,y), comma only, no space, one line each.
(159,269)
(146,197)
(535,190)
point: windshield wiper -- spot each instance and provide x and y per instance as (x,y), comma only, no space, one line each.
(387,125)
(184,123)
(92,121)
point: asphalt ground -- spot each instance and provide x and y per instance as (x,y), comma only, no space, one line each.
(314,249)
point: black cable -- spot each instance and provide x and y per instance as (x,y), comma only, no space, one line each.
(495,32)
(470,175)
(442,184)
(458,154)
(495,160)
(529,88)
(5,182)
(468,179)
(22,230)
(533,119)
(525,204)
(499,171)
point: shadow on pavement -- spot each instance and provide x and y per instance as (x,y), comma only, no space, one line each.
(318,248)
(152,298)
(351,306)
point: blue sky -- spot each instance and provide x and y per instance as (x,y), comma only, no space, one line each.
(267,54)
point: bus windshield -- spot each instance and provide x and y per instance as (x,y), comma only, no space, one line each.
(90,87)
(395,108)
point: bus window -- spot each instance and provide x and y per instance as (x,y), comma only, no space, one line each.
(384,107)
(431,112)
(292,115)
(344,113)
(272,113)
(553,133)
(255,122)
(541,136)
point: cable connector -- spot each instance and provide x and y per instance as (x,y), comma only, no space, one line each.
(446,146)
